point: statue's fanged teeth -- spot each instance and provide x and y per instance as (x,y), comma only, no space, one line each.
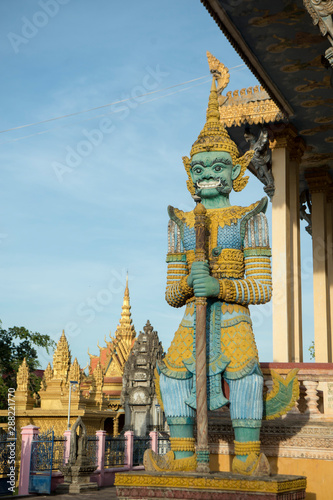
(209,184)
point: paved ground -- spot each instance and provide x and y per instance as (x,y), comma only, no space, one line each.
(108,493)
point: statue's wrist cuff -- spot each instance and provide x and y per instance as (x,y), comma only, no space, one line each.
(185,289)
(227,291)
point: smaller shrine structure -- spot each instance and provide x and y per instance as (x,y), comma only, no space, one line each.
(138,398)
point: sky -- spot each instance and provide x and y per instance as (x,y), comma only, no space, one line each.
(84,198)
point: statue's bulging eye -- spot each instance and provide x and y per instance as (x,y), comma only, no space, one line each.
(218,168)
(197,170)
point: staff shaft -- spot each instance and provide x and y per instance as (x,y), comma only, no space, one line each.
(201,349)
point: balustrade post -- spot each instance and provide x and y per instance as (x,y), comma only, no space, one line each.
(154,441)
(311,397)
(28,433)
(116,426)
(67,436)
(269,384)
(100,449)
(129,436)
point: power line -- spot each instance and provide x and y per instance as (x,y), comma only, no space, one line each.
(104,114)
(109,104)
(98,107)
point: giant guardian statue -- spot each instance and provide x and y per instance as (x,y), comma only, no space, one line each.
(234,273)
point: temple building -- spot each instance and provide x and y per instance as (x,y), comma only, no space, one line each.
(95,396)
(287,121)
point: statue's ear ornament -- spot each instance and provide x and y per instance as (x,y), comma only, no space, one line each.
(189,182)
(240,182)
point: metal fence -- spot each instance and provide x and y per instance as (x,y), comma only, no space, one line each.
(42,452)
(140,445)
(59,445)
(114,451)
(92,447)
(7,462)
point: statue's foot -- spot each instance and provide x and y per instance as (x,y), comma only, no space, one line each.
(154,462)
(255,465)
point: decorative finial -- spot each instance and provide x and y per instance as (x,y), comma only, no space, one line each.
(220,72)
(125,327)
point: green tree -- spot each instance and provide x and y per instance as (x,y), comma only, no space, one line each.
(312,350)
(18,343)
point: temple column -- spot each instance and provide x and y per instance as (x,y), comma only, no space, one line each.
(287,150)
(319,183)
(329,234)
(295,261)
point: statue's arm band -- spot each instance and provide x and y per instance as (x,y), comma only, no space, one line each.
(256,287)
(177,291)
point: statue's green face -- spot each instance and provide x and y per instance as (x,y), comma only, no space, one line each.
(212,174)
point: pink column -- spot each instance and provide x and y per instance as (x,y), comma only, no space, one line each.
(67,435)
(154,441)
(28,433)
(129,435)
(101,449)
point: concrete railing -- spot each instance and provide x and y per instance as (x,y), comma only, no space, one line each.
(316,387)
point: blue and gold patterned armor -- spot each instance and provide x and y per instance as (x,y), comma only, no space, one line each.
(239,256)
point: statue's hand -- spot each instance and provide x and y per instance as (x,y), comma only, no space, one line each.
(203,284)
(198,269)
(206,287)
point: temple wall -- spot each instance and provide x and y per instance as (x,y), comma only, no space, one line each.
(318,472)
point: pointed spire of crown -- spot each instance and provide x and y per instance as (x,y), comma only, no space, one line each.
(213,114)
(214,136)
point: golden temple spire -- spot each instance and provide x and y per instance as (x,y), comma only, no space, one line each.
(22,377)
(98,376)
(75,372)
(126,329)
(61,358)
(48,373)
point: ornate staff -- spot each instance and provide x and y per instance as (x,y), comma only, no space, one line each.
(200,348)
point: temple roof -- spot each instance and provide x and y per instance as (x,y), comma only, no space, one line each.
(126,329)
(114,355)
(289,55)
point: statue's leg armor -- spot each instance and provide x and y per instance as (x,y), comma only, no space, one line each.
(246,409)
(179,415)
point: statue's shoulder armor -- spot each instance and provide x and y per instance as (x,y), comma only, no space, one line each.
(257,208)
(254,227)
(184,222)
(176,215)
